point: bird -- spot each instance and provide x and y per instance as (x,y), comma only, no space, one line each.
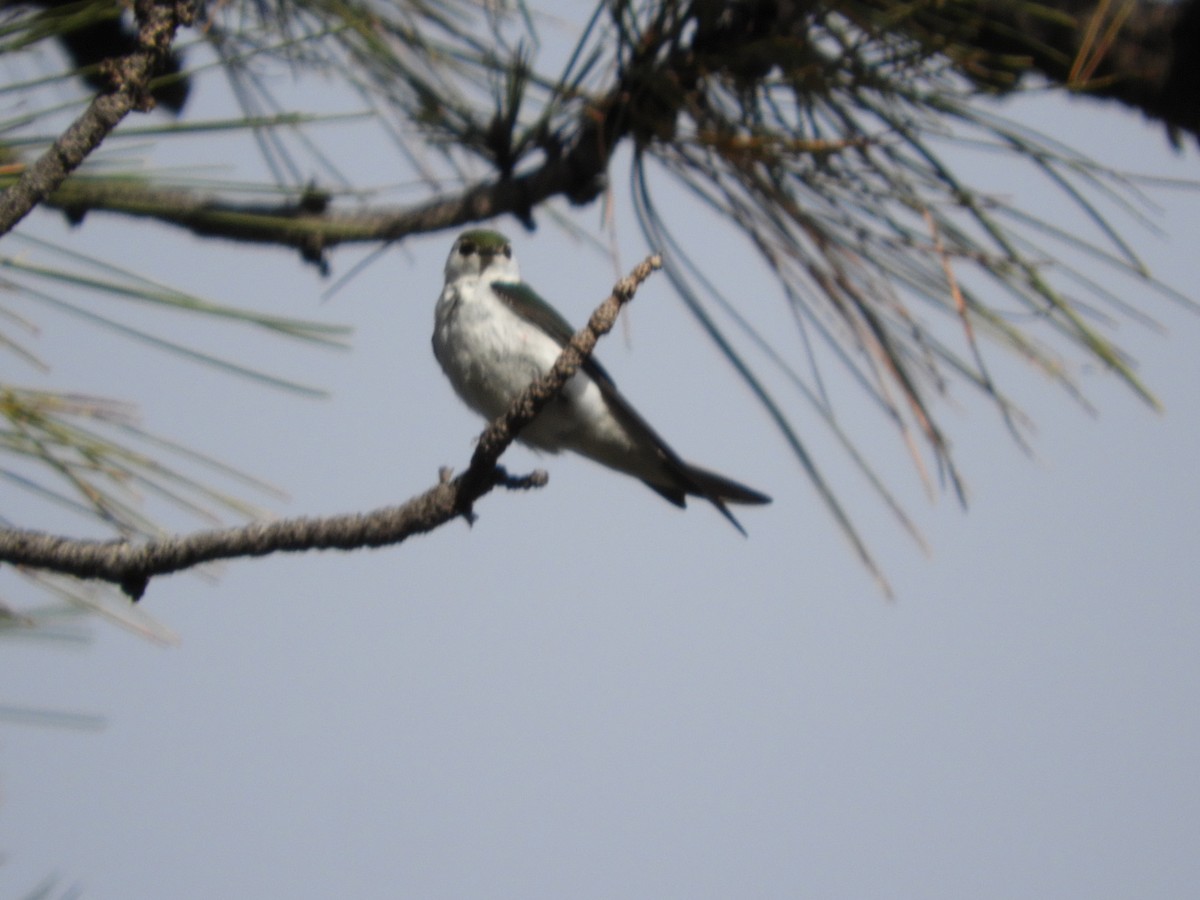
(493,336)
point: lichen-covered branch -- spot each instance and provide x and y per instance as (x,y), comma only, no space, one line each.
(158,20)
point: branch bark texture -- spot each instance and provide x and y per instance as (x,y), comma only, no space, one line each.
(131,566)
(158,20)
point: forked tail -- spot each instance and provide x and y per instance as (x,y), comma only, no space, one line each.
(716,489)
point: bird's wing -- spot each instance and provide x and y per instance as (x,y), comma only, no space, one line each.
(525,302)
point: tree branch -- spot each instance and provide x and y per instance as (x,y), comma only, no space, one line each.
(132,565)
(1146,59)
(158,21)
(308,225)
(574,167)
(1148,65)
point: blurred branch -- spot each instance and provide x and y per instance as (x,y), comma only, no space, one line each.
(131,566)
(1140,53)
(308,225)
(131,75)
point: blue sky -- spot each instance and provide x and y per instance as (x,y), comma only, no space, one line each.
(592,694)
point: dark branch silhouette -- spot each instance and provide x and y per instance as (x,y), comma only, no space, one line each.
(93,36)
(130,76)
(1141,54)
(132,565)
(308,224)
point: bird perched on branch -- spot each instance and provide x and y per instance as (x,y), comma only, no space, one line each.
(493,335)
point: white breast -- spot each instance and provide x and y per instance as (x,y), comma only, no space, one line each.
(490,354)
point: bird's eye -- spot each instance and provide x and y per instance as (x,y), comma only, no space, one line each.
(466,248)
(508,251)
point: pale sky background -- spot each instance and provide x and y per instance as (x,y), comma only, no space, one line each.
(592,694)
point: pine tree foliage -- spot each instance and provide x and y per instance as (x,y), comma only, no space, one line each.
(823,134)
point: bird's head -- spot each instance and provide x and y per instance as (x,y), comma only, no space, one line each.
(483,254)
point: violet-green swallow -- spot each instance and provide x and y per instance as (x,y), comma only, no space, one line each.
(493,335)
